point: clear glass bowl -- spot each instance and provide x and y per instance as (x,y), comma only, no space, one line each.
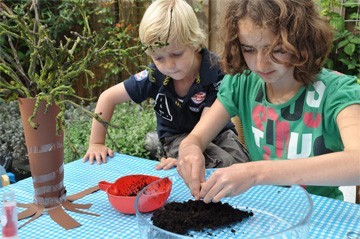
(279,212)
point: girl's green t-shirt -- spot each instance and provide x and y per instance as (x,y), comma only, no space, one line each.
(305,126)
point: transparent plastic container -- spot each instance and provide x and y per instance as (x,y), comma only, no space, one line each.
(279,212)
(9,218)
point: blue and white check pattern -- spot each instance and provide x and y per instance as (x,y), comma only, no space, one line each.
(279,212)
(330,218)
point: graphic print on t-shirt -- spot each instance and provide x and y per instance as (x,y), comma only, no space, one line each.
(292,131)
(198,97)
(141,75)
(162,108)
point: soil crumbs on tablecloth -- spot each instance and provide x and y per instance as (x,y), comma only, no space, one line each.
(179,217)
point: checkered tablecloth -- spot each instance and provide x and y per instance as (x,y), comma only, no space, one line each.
(330,218)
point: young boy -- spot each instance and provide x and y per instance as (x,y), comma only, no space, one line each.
(183,80)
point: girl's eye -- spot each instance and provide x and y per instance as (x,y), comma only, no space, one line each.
(247,49)
(279,50)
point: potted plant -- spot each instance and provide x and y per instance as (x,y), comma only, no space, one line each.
(49,70)
(42,81)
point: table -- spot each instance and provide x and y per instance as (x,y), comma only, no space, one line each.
(331,218)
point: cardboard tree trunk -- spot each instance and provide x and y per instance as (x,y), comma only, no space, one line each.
(46,158)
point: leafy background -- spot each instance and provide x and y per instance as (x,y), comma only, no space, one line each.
(132,122)
(119,26)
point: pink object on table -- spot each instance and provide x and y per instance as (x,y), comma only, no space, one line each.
(122,193)
(9,217)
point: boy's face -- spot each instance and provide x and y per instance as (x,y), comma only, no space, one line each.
(254,42)
(178,62)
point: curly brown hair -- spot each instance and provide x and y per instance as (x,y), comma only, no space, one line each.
(297,25)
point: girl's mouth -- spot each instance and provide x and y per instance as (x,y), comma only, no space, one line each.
(266,74)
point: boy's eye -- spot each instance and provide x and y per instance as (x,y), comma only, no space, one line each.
(158,58)
(176,54)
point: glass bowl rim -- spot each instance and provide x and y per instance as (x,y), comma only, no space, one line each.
(301,222)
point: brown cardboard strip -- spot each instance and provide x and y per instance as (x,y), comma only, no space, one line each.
(37,214)
(31,210)
(71,207)
(81,206)
(83,193)
(63,219)
(58,213)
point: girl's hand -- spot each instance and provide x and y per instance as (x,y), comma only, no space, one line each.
(97,152)
(227,182)
(166,163)
(192,170)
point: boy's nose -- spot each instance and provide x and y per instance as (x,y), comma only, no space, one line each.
(170,64)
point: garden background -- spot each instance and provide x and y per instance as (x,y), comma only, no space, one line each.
(116,22)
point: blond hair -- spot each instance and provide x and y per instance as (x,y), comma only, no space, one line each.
(171,21)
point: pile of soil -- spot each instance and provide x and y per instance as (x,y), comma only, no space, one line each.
(135,189)
(179,217)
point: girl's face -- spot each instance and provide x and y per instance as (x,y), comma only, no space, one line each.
(178,62)
(254,42)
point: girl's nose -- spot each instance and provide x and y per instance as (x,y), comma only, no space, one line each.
(262,62)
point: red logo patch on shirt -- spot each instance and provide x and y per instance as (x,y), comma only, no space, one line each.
(141,75)
(198,97)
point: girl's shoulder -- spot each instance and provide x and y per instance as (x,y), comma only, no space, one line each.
(337,88)
(245,78)
(332,78)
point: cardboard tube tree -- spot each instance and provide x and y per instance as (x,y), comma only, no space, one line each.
(46,158)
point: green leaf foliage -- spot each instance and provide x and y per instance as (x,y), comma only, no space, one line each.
(132,122)
(345,54)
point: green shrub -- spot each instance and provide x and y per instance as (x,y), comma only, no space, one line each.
(345,53)
(132,122)
(12,140)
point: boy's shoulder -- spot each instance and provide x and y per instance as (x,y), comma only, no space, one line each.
(154,75)
(209,58)
(210,70)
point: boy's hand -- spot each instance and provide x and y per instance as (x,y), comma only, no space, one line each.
(166,163)
(97,152)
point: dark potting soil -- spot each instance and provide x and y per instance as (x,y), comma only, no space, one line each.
(179,217)
(134,190)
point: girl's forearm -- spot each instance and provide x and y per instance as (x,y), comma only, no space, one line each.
(335,169)
(190,142)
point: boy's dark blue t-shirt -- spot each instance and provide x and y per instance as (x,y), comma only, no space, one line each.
(177,115)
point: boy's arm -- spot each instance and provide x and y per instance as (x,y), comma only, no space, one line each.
(104,108)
